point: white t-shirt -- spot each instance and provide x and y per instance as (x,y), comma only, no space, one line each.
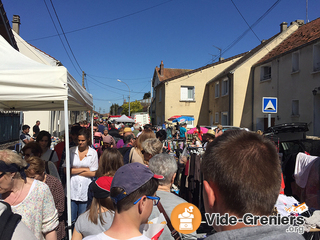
(102,236)
(80,184)
(47,154)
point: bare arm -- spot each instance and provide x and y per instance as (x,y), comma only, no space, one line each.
(51,235)
(88,174)
(78,171)
(76,235)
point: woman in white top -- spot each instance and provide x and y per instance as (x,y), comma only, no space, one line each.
(44,140)
(83,164)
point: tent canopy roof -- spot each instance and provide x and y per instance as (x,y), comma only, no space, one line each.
(124,118)
(28,85)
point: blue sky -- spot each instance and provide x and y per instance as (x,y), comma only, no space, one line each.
(133,36)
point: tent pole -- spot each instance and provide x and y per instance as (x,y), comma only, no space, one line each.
(91,126)
(66,124)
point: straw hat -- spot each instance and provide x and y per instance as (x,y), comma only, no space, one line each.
(211,133)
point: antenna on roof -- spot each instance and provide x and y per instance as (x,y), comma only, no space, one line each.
(307,11)
(219,50)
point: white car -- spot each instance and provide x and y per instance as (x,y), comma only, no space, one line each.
(225,127)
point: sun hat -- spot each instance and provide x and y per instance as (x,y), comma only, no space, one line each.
(107,139)
(101,187)
(127,129)
(98,134)
(130,177)
(211,133)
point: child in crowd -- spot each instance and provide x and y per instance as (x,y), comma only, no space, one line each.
(133,193)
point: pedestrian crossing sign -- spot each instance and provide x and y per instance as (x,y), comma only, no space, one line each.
(269,105)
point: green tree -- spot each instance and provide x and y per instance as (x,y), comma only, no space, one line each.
(147,95)
(114,109)
(134,107)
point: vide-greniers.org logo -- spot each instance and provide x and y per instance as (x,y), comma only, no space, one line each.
(294,222)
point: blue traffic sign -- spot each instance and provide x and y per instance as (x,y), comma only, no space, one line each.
(269,105)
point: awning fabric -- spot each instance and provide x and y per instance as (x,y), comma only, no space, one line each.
(26,85)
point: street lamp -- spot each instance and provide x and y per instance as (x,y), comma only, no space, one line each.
(129,93)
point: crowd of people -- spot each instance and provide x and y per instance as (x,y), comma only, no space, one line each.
(124,176)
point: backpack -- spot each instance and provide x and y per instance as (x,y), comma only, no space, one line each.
(97,143)
(8,222)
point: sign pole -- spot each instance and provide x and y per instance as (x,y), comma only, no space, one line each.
(269,120)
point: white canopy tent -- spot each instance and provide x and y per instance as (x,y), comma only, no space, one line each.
(29,85)
(124,118)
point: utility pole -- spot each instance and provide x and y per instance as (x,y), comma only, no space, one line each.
(83,76)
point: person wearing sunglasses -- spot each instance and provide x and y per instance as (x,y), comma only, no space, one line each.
(132,191)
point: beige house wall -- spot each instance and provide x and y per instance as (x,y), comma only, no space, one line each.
(198,107)
(288,86)
(241,85)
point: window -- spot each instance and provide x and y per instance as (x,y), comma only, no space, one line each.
(216,90)
(187,93)
(316,58)
(224,118)
(216,120)
(265,73)
(295,62)
(225,87)
(295,107)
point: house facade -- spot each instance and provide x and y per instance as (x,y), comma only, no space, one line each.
(231,92)
(182,91)
(291,72)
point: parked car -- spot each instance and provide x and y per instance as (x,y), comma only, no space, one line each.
(225,127)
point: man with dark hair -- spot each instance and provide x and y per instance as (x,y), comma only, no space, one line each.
(101,126)
(36,129)
(129,140)
(133,191)
(25,137)
(242,174)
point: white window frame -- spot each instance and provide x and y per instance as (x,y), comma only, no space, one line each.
(222,115)
(316,57)
(184,93)
(217,90)
(225,87)
(295,107)
(216,117)
(264,73)
(295,62)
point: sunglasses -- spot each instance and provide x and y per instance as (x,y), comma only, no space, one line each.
(155,200)
(2,174)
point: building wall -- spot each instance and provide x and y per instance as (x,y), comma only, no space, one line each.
(288,86)
(160,104)
(240,112)
(199,107)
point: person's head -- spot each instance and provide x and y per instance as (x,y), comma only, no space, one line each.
(84,138)
(165,165)
(101,198)
(133,189)
(110,161)
(151,147)
(44,139)
(146,134)
(105,131)
(37,122)
(121,132)
(12,168)
(129,138)
(184,124)
(95,128)
(195,138)
(147,126)
(210,135)
(218,130)
(36,168)
(161,135)
(107,142)
(241,174)
(74,131)
(31,149)
(25,128)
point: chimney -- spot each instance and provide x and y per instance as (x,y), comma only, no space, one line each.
(220,59)
(161,68)
(283,26)
(16,24)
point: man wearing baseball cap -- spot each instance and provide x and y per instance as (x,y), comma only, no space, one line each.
(133,191)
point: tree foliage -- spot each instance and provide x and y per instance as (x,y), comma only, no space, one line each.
(114,109)
(147,95)
(134,107)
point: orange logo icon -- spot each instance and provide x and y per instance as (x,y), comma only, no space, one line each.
(186,218)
